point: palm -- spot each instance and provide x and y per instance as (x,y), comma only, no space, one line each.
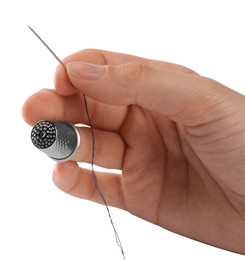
(166,183)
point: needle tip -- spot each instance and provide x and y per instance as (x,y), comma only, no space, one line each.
(45,44)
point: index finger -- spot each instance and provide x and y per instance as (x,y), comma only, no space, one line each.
(101,57)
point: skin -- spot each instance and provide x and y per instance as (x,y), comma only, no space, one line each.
(177,137)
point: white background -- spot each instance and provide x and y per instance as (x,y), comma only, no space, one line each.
(37,221)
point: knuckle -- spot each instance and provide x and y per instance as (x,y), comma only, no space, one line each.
(131,76)
(134,71)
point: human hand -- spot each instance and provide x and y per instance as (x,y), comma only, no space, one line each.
(179,139)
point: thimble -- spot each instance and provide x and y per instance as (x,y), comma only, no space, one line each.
(60,140)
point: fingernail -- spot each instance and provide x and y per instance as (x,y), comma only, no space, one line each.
(86,71)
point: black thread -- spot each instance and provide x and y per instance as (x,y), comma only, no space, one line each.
(118,241)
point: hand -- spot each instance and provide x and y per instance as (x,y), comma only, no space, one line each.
(178,137)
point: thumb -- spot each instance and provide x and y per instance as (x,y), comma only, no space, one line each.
(186,98)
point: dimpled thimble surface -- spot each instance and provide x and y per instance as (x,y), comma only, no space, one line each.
(58,139)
